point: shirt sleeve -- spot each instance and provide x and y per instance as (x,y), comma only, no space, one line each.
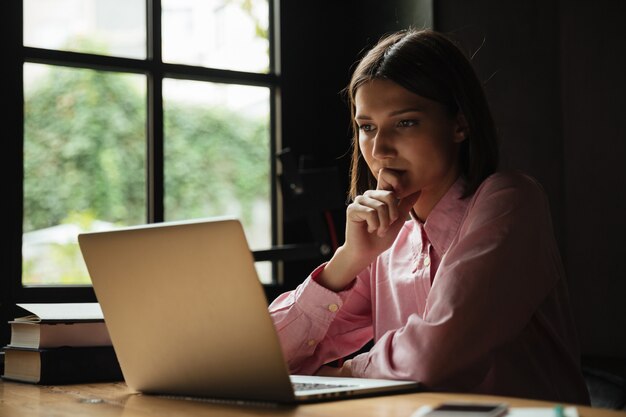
(316,326)
(499,268)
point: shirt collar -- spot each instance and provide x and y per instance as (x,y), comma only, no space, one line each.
(444,220)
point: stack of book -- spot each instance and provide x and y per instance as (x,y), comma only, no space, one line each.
(61,343)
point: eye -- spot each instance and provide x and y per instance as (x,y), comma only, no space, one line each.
(366,127)
(407,123)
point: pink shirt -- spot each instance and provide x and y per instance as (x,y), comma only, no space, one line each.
(473,300)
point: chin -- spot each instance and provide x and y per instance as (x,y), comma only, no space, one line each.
(406,190)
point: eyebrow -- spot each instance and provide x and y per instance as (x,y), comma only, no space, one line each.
(407,110)
(393,113)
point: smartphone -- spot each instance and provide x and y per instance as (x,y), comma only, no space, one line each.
(459,409)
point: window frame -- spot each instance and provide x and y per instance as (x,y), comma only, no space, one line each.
(155,70)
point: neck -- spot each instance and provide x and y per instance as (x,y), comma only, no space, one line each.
(429,198)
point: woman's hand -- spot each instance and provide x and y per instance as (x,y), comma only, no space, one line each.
(344,371)
(374,220)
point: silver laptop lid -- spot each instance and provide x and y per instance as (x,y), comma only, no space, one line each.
(181,302)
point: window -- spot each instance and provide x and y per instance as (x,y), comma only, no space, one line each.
(142,111)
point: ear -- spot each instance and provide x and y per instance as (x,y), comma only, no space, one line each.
(461,130)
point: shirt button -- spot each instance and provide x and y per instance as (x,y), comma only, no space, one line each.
(333,308)
(427,261)
(311,342)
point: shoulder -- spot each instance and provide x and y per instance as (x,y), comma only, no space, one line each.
(510,188)
(508,194)
(510,181)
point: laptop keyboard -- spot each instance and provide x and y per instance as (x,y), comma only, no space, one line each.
(308,386)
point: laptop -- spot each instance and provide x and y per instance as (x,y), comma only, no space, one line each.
(187,316)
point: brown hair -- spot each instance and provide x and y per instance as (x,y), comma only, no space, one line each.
(430,65)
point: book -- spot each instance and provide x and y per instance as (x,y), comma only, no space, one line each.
(64,365)
(59,324)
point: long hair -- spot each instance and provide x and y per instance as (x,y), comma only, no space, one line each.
(430,65)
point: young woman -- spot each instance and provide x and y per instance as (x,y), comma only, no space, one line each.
(449,266)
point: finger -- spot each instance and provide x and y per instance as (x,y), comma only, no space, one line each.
(404,207)
(388,179)
(382,183)
(346,369)
(390,201)
(385,205)
(360,211)
(407,203)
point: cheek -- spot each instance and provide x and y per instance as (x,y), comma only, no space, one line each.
(439,148)
(365,146)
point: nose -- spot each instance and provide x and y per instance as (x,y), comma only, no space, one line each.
(383,145)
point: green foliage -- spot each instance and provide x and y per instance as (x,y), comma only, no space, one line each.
(213,158)
(85,151)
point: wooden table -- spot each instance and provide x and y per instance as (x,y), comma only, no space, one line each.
(116,399)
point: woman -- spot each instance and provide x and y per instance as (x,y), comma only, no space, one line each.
(449,266)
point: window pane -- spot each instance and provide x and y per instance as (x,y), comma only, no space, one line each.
(105,27)
(217,159)
(224,34)
(84,164)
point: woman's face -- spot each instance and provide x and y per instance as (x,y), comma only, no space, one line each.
(409,143)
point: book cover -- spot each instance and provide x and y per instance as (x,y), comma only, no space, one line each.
(64,365)
(60,313)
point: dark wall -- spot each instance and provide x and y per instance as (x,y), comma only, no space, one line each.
(593,82)
(556,86)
